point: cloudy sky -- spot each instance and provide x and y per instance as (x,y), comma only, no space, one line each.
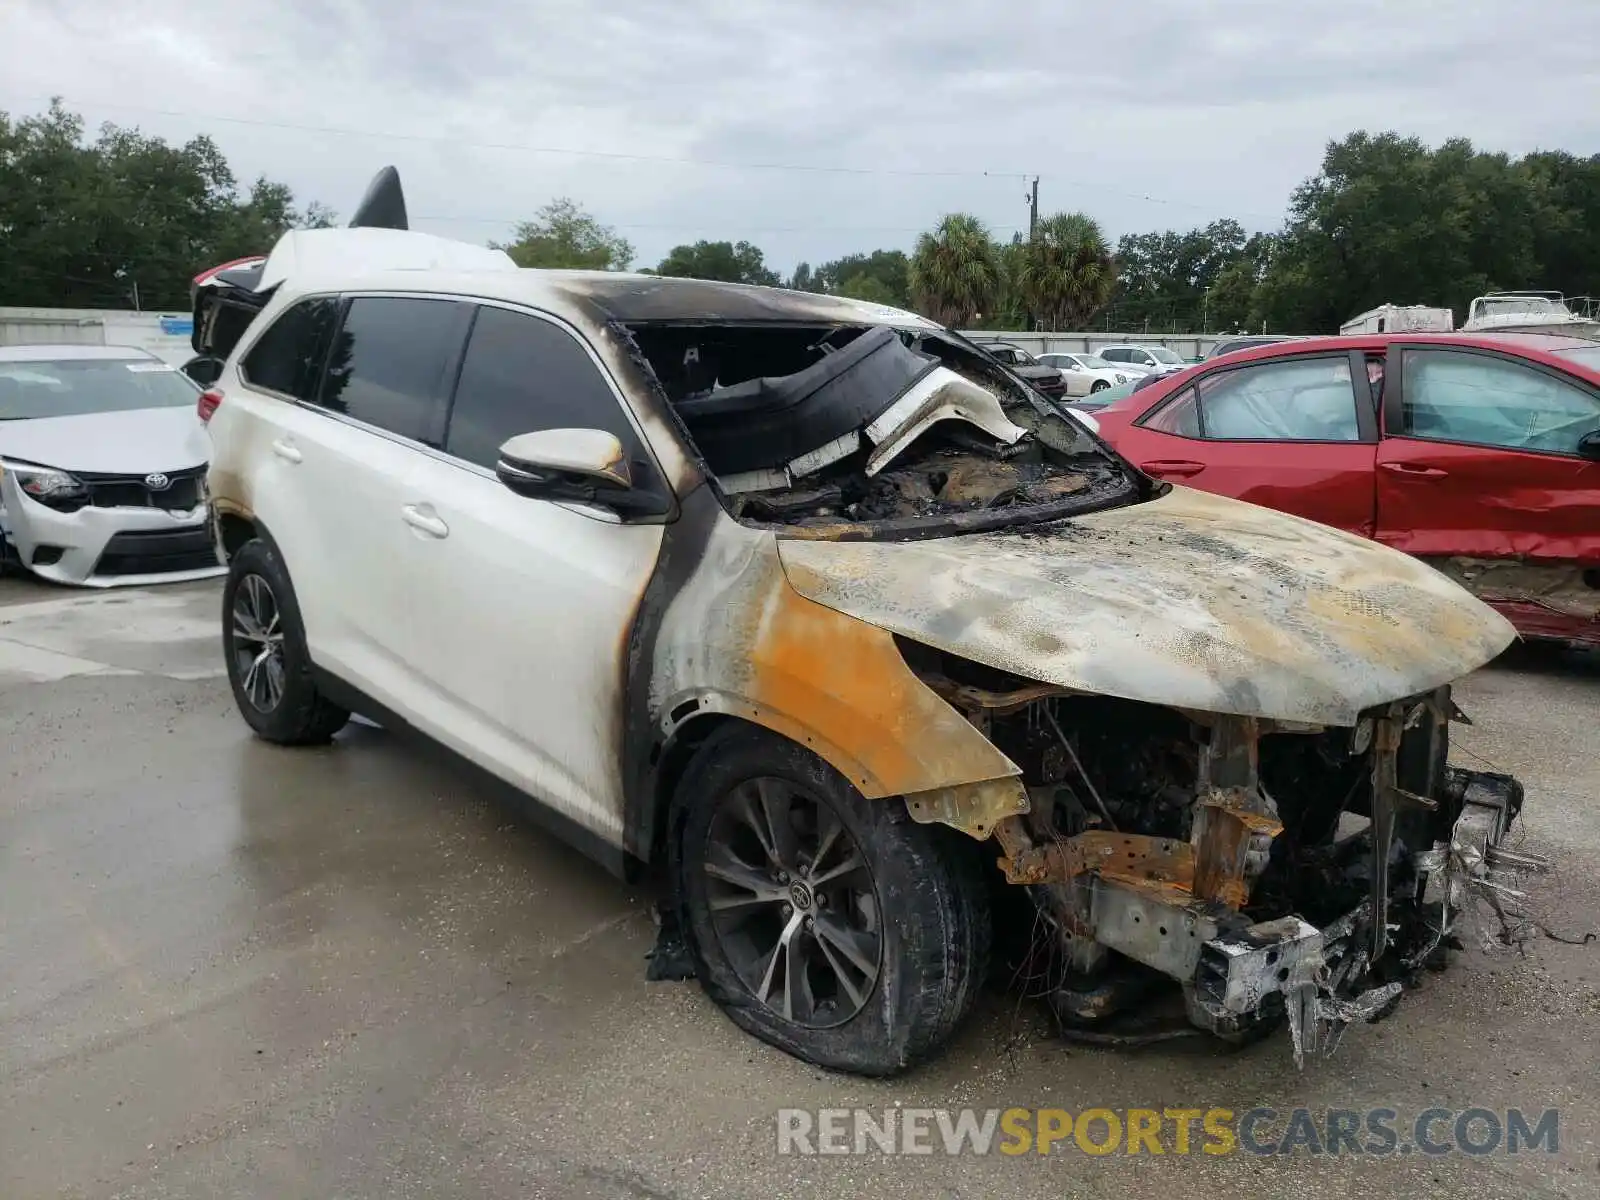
(811,127)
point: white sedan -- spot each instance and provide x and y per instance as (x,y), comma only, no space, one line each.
(102,467)
(1086,373)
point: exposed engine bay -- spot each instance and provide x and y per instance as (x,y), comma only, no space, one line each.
(1275,871)
(828,430)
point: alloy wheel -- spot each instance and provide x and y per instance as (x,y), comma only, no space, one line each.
(257,634)
(793,902)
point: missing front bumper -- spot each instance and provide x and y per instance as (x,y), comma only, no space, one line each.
(1117,897)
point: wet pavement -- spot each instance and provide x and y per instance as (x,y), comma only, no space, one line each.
(231,969)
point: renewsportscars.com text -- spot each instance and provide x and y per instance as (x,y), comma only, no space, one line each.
(1378,1132)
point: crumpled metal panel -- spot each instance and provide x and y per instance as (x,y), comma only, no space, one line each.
(1191,600)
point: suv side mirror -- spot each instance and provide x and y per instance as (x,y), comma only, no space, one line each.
(1589,446)
(585,466)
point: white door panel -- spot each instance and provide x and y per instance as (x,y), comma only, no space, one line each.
(330,493)
(523,610)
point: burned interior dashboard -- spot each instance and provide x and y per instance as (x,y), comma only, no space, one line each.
(859,431)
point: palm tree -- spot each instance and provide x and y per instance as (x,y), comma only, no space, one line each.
(1067,273)
(955,271)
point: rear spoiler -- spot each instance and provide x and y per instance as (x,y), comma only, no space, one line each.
(225,298)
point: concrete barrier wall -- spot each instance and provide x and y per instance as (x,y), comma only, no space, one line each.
(165,335)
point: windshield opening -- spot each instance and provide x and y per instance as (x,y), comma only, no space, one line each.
(79,387)
(859,431)
(1162,355)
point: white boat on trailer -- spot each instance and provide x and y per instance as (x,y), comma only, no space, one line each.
(1534,312)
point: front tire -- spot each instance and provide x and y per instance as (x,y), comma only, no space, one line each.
(1099,385)
(264,643)
(828,925)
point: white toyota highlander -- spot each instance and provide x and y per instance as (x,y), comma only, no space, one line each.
(817,607)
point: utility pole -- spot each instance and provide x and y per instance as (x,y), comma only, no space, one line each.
(1033,210)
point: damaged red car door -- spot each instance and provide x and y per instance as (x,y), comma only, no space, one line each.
(1488,468)
(1297,434)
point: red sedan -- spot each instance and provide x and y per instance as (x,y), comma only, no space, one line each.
(1479,454)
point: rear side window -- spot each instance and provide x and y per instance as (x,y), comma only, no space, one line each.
(1112,354)
(391,363)
(522,374)
(1302,400)
(288,356)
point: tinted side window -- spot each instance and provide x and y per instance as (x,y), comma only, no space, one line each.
(1112,354)
(391,361)
(522,374)
(288,355)
(1488,401)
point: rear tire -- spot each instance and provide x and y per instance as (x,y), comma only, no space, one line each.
(887,956)
(264,643)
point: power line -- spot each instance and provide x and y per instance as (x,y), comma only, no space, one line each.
(526,148)
(1078,182)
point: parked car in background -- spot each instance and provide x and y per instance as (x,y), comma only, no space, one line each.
(1024,365)
(809,604)
(102,464)
(1152,360)
(1234,344)
(1478,453)
(1084,374)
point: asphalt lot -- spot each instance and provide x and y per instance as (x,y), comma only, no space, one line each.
(229,969)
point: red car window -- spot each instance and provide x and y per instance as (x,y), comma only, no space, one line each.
(1294,400)
(1484,401)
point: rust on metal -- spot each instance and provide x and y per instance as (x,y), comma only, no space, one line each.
(974,808)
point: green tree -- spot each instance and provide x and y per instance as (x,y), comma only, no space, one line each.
(728,262)
(99,224)
(1065,273)
(868,287)
(888,270)
(955,273)
(562,235)
(1387,219)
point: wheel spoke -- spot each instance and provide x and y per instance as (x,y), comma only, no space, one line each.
(841,973)
(852,862)
(274,677)
(754,816)
(829,834)
(860,948)
(726,867)
(797,1000)
(764,992)
(776,802)
(246,628)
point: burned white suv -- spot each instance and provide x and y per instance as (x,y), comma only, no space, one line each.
(813,604)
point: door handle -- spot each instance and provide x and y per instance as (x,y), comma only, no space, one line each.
(423,519)
(285,451)
(1181,467)
(1413,470)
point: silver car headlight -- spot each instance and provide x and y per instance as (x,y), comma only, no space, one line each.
(47,485)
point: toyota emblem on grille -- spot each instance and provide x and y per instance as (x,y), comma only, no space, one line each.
(157,482)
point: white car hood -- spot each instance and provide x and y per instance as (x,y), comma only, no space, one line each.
(114,443)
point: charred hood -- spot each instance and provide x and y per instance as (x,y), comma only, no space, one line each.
(1189,600)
